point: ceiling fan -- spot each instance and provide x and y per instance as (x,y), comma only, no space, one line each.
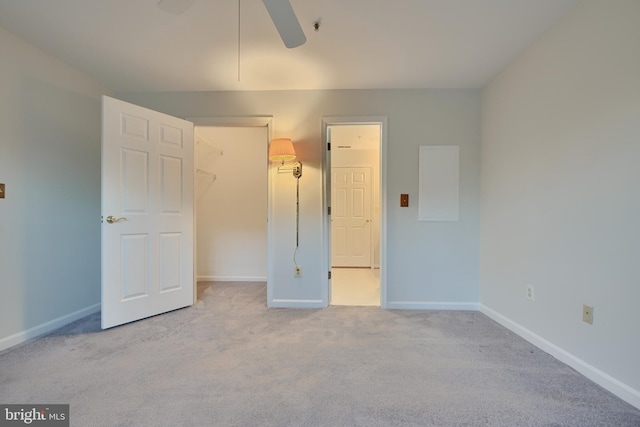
(281,12)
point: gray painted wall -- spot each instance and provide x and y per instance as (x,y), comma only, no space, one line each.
(49,220)
(560,205)
(427,262)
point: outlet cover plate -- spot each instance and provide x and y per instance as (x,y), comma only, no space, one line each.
(1,191)
(587,314)
(531,293)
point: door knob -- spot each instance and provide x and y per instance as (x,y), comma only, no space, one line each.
(112,219)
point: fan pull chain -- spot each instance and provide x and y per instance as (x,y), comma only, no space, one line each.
(239,41)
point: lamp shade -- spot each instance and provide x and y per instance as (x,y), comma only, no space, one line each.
(281,150)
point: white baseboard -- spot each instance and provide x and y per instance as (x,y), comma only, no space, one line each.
(604,380)
(46,327)
(231,278)
(432,305)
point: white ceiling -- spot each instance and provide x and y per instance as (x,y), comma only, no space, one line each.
(131,45)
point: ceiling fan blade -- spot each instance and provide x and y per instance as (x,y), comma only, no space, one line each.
(175,7)
(286,22)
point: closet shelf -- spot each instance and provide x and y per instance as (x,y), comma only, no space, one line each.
(202,172)
(208,146)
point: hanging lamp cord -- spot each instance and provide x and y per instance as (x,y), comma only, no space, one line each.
(297,210)
(297,220)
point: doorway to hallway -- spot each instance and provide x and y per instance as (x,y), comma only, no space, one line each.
(354,160)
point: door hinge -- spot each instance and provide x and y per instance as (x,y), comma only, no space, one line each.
(328,146)
(328,210)
(329,275)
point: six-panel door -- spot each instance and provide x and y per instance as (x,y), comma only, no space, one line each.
(351,217)
(147,209)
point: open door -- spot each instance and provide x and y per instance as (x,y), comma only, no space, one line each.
(147,213)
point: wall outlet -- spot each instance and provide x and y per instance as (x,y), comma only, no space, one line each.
(297,271)
(530,293)
(587,314)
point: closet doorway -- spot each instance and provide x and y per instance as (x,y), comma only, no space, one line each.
(231,203)
(355,214)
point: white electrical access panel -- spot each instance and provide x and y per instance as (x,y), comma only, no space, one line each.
(439,183)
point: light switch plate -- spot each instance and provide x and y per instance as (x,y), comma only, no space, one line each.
(404,200)
(1,191)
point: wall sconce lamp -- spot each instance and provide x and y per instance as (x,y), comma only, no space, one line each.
(280,151)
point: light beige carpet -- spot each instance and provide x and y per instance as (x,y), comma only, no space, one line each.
(230,361)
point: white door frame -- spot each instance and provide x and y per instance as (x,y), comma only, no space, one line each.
(326,198)
(248,121)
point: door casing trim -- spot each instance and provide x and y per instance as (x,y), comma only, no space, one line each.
(326,198)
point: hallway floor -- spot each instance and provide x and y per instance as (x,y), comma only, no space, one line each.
(355,286)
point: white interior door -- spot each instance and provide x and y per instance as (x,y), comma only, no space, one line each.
(351,217)
(147,209)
